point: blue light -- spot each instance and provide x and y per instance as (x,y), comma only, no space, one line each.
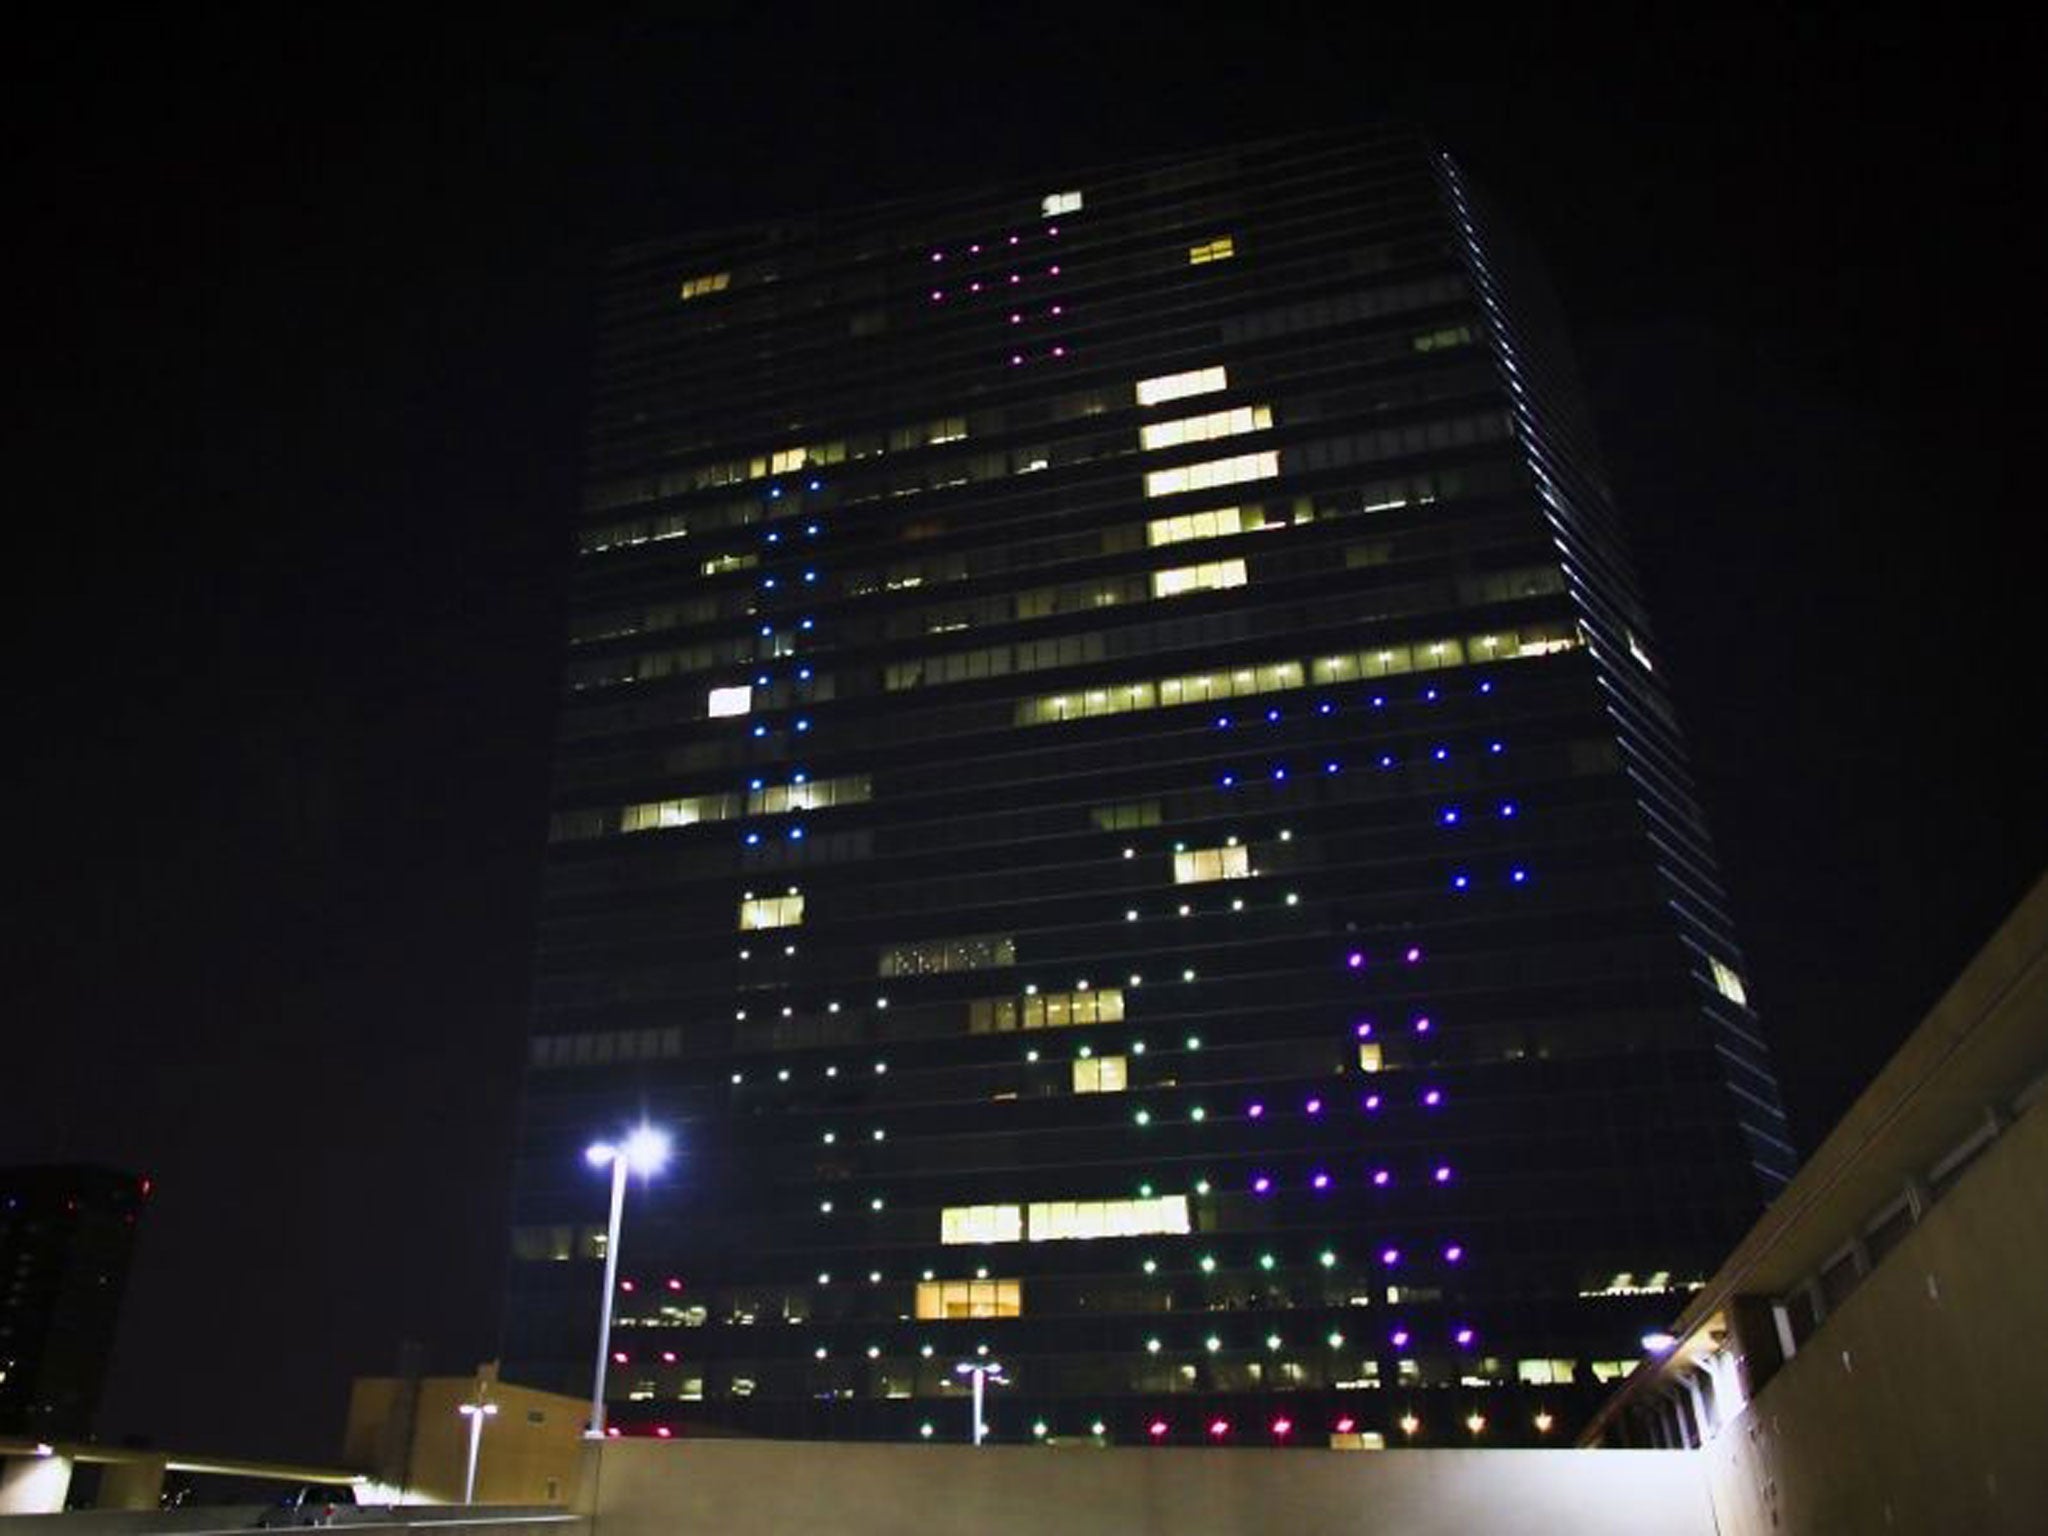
(805,624)
(796,834)
(1429,695)
(803,674)
(1507,807)
(816,485)
(1332,766)
(1223,722)
(767,581)
(1496,747)
(753,838)
(810,575)
(803,725)
(1272,716)
(1520,877)
(1441,754)
(1386,759)
(1326,708)
(1460,881)
(774,491)
(1449,816)
(810,530)
(1486,687)
(774,538)
(1280,772)
(761,680)
(753,783)
(1379,701)
(767,631)
(1229,780)
(760,730)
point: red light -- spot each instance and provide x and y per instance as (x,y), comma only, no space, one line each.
(1156,1429)
(625,1285)
(674,1284)
(668,1357)
(1283,1426)
(612,1434)
(1219,1427)
(663,1431)
(618,1357)
(147,1186)
(1346,1426)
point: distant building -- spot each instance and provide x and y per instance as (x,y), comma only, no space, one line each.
(66,1237)
(411,1436)
(1114,792)
(1873,1355)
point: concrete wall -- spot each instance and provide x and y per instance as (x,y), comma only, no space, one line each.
(1921,1405)
(529,1453)
(784,1488)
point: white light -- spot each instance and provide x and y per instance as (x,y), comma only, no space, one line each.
(1658,1343)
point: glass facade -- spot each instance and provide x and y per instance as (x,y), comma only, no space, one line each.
(1112,794)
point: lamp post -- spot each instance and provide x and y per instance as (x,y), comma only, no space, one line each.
(645,1150)
(476,1412)
(982,1372)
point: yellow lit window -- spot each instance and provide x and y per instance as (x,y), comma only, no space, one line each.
(1200,429)
(809,795)
(772,911)
(1045,1010)
(1178,386)
(709,282)
(1545,1373)
(1369,1058)
(736,700)
(1063,1220)
(1213,576)
(1197,865)
(1728,983)
(1220,249)
(1056,203)
(1212,472)
(945,1300)
(1100,1074)
(685,812)
(718,565)
(1121,818)
(1219,524)
(981,1224)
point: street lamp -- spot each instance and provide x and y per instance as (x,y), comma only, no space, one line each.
(982,1371)
(476,1413)
(643,1151)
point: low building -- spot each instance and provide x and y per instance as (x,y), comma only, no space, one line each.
(1872,1355)
(411,1434)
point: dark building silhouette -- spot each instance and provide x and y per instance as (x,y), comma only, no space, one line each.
(66,1236)
(1114,794)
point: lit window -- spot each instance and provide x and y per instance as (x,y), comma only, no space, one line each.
(1061,1220)
(1728,984)
(709,282)
(1055,203)
(1212,576)
(1045,1010)
(685,812)
(943,1300)
(719,565)
(1545,1373)
(1212,472)
(1612,1370)
(1201,429)
(731,701)
(772,911)
(1100,1074)
(1219,524)
(1177,386)
(1220,249)
(938,956)
(1449,336)
(1369,1058)
(810,795)
(1121,818)
(981,1224)
(1201,864)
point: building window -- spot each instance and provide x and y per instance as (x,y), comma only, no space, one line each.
(1449,336)
(945,1300)
(1369,1057)
(737,700)
(1222,248)
(1728,983)
(1100,1074)
(1219,524)
(720,565)
(1055,203)
(1178,386)
(809,795)
(1211,576)
(935,957)
(709,282)
(1545,1373)
(981,1224)
(1045,1010)
(1062,1220)
(686,812)
(1204,428)
(1197,865)
(1123,818)
(772,911)
(1212,472)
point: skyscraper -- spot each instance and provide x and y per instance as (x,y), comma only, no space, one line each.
(1115,796)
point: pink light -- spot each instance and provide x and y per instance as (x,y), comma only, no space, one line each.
(974,250)
(1016,319)
(1054,269)
(975,286)
(663,1430)
(1443,1173)
(1372,1103)
(1015,278)
(938,294)
(1399,1338)
(1052,229)
(1364,1030)
(1059,351)
(1016,358)
(1464,1335)
(1414,954)
(618,1357)
(1283,1426)
(1381,1178)
(1314,1106)
(625,1285)
(1453,1253)
(1321,1181)
(1156,1429)
(668,1357)
(1422,1024)
(1058,309)
(1390,1257)
(674,1284)
(612,1433)
(938,255)
(1219,1427)
(1355,960)
(1013,239)
(1346,1425)
(1255,1111)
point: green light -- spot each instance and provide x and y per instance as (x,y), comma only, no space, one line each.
(1087,1051)
(1143,1117)
(1098,1428)
(1329,1259)
(1208,1264)
(1336,1341)
(1145,1190)
(1272,1341)
(1151,1266)
(1038,1429)
(1201,1186)
(925,1429)
(1266,1261)
(1213,1343)
(1198,1113)
(1194,1042)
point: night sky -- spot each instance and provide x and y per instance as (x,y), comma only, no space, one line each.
(301,321)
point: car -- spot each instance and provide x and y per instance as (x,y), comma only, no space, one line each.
(308,1504)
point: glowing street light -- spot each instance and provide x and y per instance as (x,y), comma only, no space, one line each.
(982,1371)
(476,1412)
(642,1152)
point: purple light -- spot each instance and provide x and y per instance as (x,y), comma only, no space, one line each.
(1015,359)
(1398,1338)
(1015,278)
(1156,1429)
(1422,1024)
(1326,708)
(1443,1173)
(1013,239)
(1390,1257)
(1381,1178)
(1453,1254)
(1254,1111)
(1314,1106)
(1355,960)
(1433,1097)
(1414,954)
(1372,1103)
(1463,1336)
(1016,319)
(1320,1181)
(1262,1185)
(1222,722)
(1282,1427)
(1219,1427)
